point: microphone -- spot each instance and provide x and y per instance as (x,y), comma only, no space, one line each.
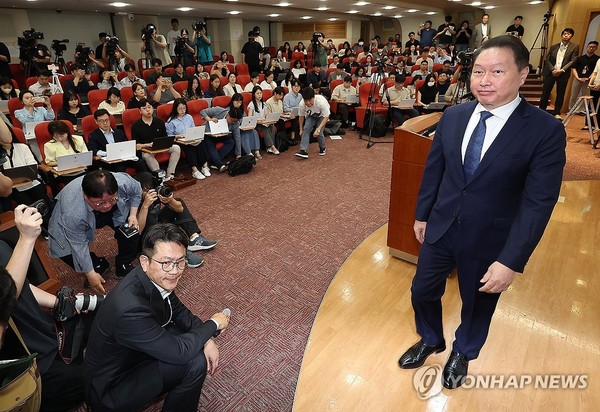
(226,312)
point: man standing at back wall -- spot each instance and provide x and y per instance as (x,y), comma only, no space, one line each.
(491,180)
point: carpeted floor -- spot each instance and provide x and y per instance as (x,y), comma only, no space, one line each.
(283,231)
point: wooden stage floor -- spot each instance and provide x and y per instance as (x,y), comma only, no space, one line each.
(547,323)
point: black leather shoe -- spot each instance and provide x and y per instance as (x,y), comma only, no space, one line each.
(123,270)
(415,356)
(101,265)
(455,371)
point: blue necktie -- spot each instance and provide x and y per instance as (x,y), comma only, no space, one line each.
(473,152)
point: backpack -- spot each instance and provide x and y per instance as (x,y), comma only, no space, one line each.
(281,141)
(379,128)
(242,165)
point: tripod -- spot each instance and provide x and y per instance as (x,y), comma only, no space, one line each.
(60,62)
(543,42)
(371,106)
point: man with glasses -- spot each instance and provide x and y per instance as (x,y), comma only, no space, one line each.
(98,199)
(144,337)
(131,77)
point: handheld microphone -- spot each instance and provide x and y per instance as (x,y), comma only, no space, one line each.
(227,313)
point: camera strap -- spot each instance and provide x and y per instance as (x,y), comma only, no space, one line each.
(69,335)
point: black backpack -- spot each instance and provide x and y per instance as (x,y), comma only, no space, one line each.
(379,128)
(281,141)
(242,165)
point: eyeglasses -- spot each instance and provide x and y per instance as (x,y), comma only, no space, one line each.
(107,202)
(170,265)
(103,120)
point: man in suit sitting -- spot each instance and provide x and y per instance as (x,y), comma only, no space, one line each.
(104,135)
(557,70)
(144,341)
(491,180)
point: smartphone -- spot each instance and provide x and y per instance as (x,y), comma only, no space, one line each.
(128,231)
(39,99)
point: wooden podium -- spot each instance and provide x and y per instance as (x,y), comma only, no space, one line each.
(408,163)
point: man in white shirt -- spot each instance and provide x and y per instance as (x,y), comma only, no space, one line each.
(340,95)
(43,87)
(172,36)
(313,108)
(258,38)
(131,77)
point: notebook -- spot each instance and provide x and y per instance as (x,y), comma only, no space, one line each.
(21,174)
(73,161)
(120,151)
(194,133)
(220,127)
(406,103)
(248,122)
(160,143)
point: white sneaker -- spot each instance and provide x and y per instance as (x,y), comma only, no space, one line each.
(206,171)
(198,175)
(169,177)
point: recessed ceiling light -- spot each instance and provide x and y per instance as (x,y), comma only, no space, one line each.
(232,1)
(184,9)
(28,1)
(430,13)
(376,14)
(412,10)
(283,4)
(332,19)
(352,11)
(389,7)
(234,12)
(119,4)
(489,7)
(476,3)
(361,3)
(398,16)
(274,15)
(535,2)
(323,8)
(306,17)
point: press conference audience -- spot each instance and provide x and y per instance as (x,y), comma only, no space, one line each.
(62,142)
(165,91)
(31,113)
(7,89)
(131,77)
(113,103)
(214,87)
(232,87)
(43,87)
(139,94)
(72,109)
(81,83)
(194,90)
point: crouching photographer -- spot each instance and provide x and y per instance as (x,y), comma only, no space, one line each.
(54,327)
(160,206)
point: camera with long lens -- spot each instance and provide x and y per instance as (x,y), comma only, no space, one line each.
(41,206)
(147,32)
(158,178)
(59,46)
(68,304)
(27,43)
(315,37)
(199,25)
(547,16)
(111,45)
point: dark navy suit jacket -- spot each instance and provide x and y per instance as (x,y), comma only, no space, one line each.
(503,211)
(97,140)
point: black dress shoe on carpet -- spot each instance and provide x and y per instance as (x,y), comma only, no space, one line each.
(455,371)
(101,265)
(123,270)
(415,356)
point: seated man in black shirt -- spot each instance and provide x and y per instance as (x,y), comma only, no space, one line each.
(145,130)
(81,83)
(350,64)
(103,135)
(62,383)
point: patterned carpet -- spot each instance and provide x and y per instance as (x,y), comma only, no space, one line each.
(283,231)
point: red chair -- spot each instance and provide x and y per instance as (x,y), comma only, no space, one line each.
(408,81)
(126,94)
(149,89)
(329,71)
(190,71)
(88,125)
(333,85)
(129,117)
(208,68)
(241,68)
(223,80)
(418,86)
(194,108)
(42,135)
(169,71)
(230,59)
(243,80)
(437,66)
(95,78)
(414,67)
(247,99)
(14,84)
(363,96)
(267,94)
(63,80)
(221,101)
(95,97)
(146,73)
(56,102)
(14,104)
(298,56)
(30,81)
(163,111)
(180,86)
(19,135)
(121,75)
(204,83)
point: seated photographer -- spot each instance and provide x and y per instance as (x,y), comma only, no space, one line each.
(72,109)
(340,94)
(30,113)
(19,154)
(61,367)
(232,113)
(103,135)
(180,75)
(81,83)
(109,79)
(131,77)
(90,202)
(113,103)
(160,206)
(145,342)
(148,128)
(43,87)
(164,92)
(220,67)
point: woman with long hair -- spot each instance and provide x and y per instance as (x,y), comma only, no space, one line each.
(287,82)
(286,50)
(214,87)
(220,67)
(200,73)
(139,93)
(113,103)
(62,142)
(7,91)
(257,107)
(232,87)
(178,122)
(298,69)
(72,109)
(194,92)
(109,79)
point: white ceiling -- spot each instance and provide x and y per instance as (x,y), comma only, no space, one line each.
(260,9)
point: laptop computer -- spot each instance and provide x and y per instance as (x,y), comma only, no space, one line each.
(220,127)
(272,117)
(30,129)
(194,133)
(120,151)
(118,118)
(73,161)
(4,106)
(79,125)
(406,103)
(248,122)
(160,143)
(285,65)
(351,98)
(22,174)
(436,106)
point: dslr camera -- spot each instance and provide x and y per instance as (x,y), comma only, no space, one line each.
(199,25)
(158,181)
(179,46)
(315,37)
(83,55)
(69,304)
(147,31)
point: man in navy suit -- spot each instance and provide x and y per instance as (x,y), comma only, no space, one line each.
(557,70)
(491,180)
(146,342)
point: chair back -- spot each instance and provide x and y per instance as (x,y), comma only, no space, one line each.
(180,86)
(20,135)
(243,80)
(194,108)
(267,94)
(129,117)
(163,111)
(14,104)
(221,101)
(95,97)
(30,81)
(241,68)
(126,94)
(56,102)
(42,135)
(335,83)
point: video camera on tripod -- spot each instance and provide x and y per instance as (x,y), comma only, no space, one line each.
(27,43)
(82,55)
(59,46)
